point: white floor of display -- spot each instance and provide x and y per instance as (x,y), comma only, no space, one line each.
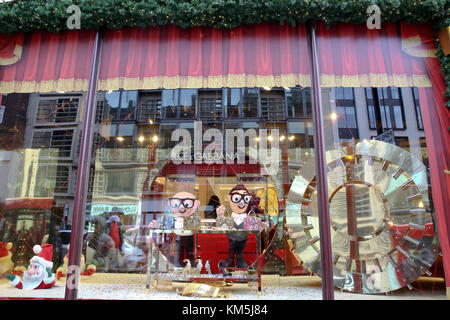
(132,287)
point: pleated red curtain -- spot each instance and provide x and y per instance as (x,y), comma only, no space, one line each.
(50,62)
(170,57)
(419,41)
(355,56)
(10,48)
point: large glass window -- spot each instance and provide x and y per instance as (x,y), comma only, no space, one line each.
(39,143)
(385,105)
(346,113)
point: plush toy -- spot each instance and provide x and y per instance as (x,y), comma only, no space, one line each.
(6,264)
(38,274)
(62,271)
(239,199)
(182,205)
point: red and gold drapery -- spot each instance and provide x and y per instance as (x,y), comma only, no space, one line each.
(170,57)
(264,55)
(354,56)
(10,48)
(419,40)
(50,62)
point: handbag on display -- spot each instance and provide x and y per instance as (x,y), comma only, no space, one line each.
(224,223)
(252,222)
(192,223)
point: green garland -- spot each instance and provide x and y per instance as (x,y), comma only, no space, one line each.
(30,15)
(51,15)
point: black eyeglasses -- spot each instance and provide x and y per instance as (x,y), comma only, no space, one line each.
(238,197)
(177,202)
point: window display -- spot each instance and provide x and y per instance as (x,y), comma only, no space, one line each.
(201,166)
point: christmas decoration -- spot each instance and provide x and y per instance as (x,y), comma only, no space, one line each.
(23,15)
(6,264)
(61,272)
(38,274)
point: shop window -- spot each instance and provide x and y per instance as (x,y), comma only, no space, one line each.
(346,111)
(273,105)
(387,109)
(57,110)
(58,139)
(299,102)
(417,107)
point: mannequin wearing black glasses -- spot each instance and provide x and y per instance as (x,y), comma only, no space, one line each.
(239,199)
(182,205)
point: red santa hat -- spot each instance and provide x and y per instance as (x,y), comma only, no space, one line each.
(4,249)
(43,255)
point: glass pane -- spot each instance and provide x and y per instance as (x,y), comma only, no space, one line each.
(250,103)
(128,104)
(39,150)
(232,100)
(188,103)
(170,103)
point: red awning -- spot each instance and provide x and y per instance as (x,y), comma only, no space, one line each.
(28,203)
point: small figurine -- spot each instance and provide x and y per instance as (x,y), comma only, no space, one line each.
(6,264)
(208,267)
(199,265)
(38,274)
(62,271)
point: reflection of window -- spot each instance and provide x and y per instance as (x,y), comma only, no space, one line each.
(150,108)
(232,101)
(210,104)
(241,103)
(59,139)
(179,103)
(188,103)
(272,105)
(127,104)
(345,109)
(390,107)
(57,176)
(417,107)
(250,103)
(402,142)
(120,181)
(57,110)
(300,135)
(299,103)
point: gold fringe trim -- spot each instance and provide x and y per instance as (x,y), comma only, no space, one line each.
(227,81)
(375,80)
(411,46)
(65,85)
(17,54)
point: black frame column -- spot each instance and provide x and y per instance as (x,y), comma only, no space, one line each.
(78,220)
(326,266)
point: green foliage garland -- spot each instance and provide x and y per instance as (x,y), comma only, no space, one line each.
(51,15)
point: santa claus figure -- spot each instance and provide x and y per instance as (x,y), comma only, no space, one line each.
(6,264)
(38,274)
